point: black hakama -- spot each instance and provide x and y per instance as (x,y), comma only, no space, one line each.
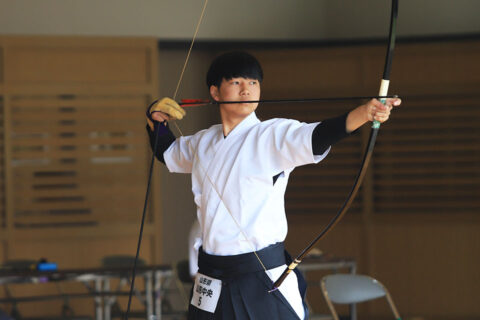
(245,286)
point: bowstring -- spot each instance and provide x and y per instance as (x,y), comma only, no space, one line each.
(190,49)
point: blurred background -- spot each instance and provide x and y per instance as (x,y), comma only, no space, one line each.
(76,77)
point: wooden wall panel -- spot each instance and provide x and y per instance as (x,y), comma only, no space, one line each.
(78,159)
(76,153)
(3,243)
(2,168)
(431,268)
(310,72)
(437,68)
(81,62)
(2,65)
(428,158)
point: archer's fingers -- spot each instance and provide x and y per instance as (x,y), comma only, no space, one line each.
(157,116)
(160,116)
(170,107)
(393,102)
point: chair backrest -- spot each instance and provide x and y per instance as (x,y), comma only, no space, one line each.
(353,288)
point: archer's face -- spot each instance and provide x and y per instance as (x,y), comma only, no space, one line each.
(237,89)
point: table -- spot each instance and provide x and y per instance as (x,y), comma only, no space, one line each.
(97,282)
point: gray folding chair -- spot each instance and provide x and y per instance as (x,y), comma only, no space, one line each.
(353,288)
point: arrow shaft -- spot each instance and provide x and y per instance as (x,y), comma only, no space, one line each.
(199,102)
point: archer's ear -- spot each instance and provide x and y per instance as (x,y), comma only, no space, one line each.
(214,92)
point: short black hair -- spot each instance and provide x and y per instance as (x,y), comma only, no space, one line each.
(235,64)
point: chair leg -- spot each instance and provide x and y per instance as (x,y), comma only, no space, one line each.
(332,309)
(392,306)
(329,302)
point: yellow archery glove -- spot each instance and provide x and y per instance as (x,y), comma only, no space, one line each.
(168,106)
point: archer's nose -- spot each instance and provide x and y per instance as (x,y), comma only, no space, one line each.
(244,91)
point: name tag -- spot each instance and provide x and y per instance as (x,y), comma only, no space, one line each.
(206,293)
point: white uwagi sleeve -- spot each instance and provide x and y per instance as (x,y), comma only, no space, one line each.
(179,156)
(291,142)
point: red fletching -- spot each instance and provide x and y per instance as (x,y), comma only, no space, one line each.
(193,102)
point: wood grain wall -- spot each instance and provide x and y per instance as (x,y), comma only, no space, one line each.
(74,151)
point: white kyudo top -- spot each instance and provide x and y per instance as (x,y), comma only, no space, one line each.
(235,174)
(194,243)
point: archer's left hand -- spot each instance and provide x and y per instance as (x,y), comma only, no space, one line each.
(376,110)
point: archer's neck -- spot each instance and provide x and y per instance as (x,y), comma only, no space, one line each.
(230,121)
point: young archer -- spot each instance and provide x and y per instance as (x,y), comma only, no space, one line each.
(239,171)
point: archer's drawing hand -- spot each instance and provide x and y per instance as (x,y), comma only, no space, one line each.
(163,110)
